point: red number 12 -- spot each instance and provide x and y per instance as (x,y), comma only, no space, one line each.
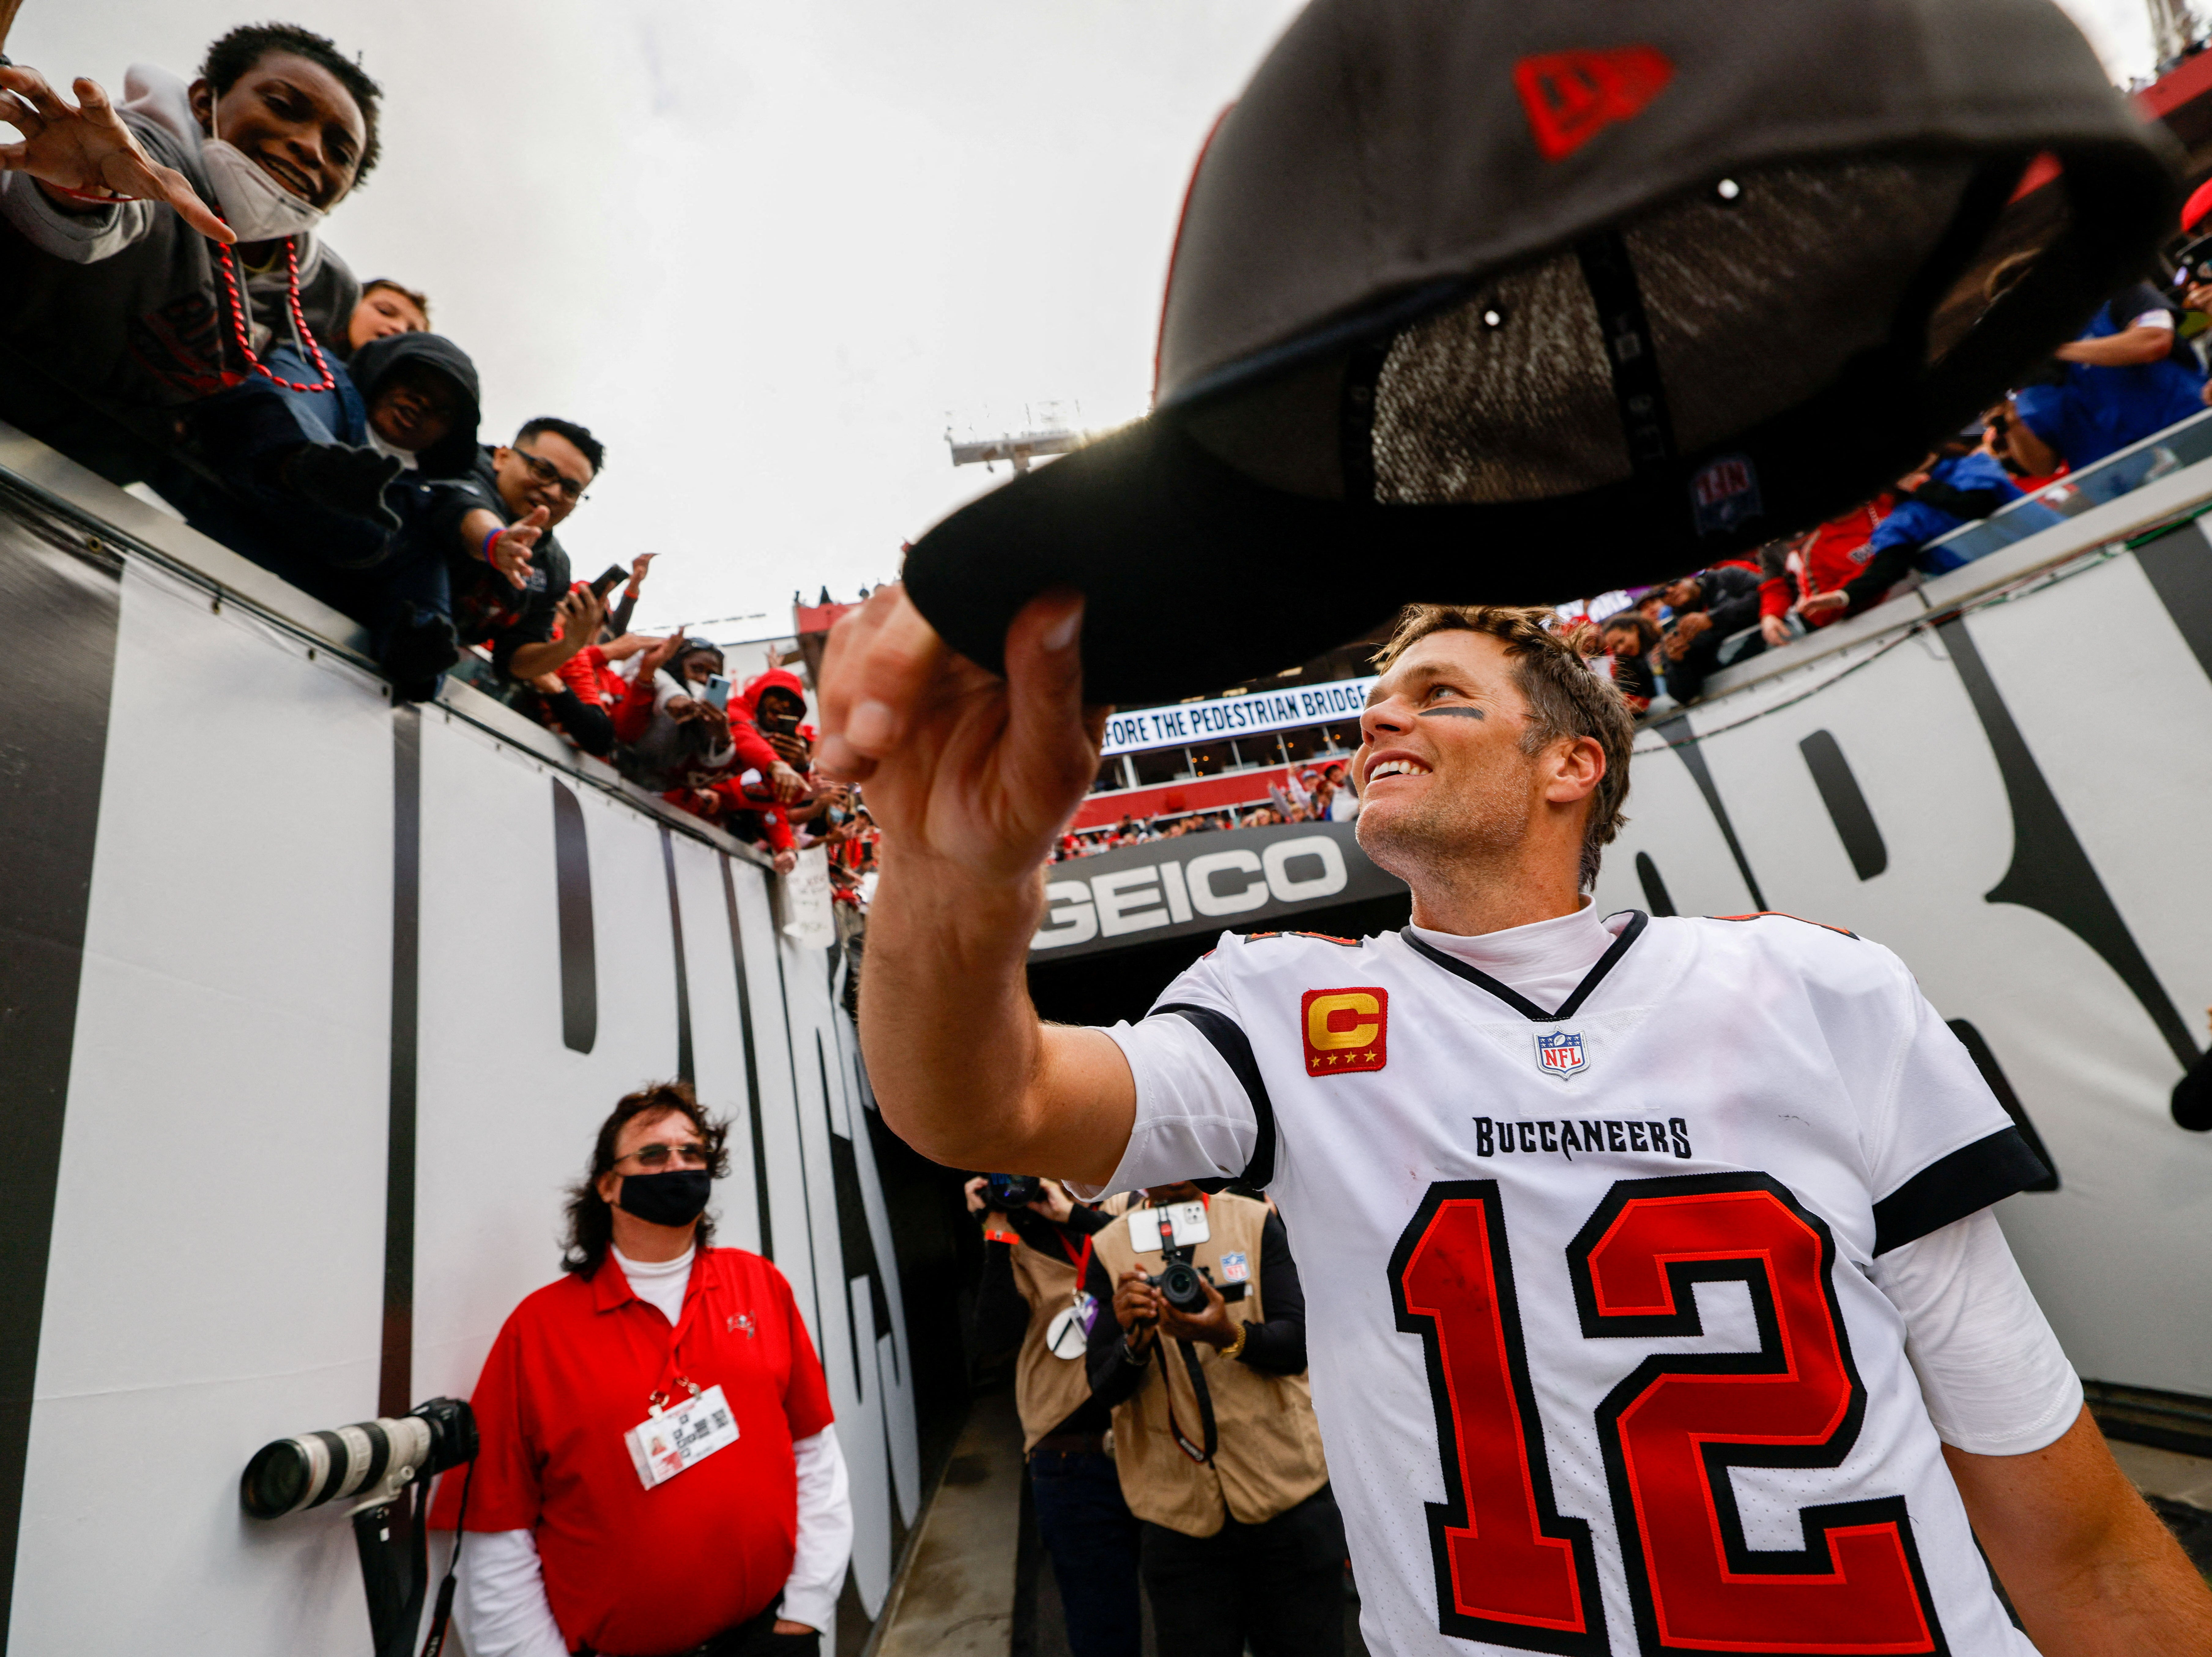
(1511,1570)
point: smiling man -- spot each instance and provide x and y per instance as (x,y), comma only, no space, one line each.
(1655,1302)
(109,282)
(510,576)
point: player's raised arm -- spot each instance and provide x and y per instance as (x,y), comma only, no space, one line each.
(969,778)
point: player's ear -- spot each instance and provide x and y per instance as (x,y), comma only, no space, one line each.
(1577,766)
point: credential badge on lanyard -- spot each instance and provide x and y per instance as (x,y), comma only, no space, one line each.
(674,1437)
(1068,1335)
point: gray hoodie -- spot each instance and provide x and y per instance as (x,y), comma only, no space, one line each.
(124,305)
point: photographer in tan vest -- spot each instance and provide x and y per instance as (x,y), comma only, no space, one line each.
(1214,1434)
(1033,1252)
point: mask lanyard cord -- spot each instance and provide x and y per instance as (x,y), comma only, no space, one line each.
(228,269)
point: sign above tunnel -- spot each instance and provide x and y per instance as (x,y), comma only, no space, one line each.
(1196,885)
(1132,729)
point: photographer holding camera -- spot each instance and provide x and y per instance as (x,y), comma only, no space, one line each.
(658,1472)
(1037,1246)
(1203,1363)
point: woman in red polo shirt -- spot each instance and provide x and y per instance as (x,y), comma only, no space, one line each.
(659,1473)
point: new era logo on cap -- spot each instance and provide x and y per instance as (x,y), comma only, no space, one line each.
(1570,96)
(1345,1029)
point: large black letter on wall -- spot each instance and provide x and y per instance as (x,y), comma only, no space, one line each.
(58,608)
(572,874)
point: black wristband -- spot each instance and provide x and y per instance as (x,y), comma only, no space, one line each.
(1130,1356)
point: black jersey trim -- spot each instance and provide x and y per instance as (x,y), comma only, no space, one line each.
(1950,1188)
(1637,921)
(1234,1048)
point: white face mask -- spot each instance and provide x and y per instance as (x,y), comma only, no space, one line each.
(255,206)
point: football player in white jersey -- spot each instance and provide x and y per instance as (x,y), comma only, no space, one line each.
(1655,1298)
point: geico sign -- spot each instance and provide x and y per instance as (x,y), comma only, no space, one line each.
(1173,891)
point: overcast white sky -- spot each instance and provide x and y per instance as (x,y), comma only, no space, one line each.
(765,250)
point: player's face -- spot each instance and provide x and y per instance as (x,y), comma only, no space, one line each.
(1441,770)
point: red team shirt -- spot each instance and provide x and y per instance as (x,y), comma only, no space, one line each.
(571,1371)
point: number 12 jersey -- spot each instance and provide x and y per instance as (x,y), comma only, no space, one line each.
(1598,1360)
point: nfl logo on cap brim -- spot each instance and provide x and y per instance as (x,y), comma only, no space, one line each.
(1560,1053)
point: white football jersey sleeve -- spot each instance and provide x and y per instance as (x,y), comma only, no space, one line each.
(1598,1352)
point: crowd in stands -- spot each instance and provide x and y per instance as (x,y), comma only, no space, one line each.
(2135,370)
(173,316)
(1313,793)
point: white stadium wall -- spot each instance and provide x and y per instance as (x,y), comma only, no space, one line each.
(310,1009)
(2016,800)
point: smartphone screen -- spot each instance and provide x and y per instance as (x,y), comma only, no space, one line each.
(718,692)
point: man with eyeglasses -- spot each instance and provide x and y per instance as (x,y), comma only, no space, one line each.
(510,574)
(658,1472)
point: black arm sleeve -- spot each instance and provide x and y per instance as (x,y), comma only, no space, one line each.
(1962,504)
(1735,605)
(1044,1236)
(593,731)
(1114,1378)
(1883,571)
(1002,1316)
(618,623)
(535,625)
(1278,1346)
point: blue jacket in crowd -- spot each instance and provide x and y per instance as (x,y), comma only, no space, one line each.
(2086,412)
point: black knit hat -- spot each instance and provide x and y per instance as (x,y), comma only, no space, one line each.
(1509,300)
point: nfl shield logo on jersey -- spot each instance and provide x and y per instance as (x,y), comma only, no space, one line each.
(1560,1052)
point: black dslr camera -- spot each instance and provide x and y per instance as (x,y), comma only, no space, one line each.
(375,1463)
(1011,1191)
(1182,1285)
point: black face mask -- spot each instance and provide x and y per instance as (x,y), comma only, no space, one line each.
(675,1198)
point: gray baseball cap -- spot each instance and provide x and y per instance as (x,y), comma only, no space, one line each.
(1511,300)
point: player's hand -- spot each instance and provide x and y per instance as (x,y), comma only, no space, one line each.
(963,768)
(1214,1326)
(84,151)
(1137,1308)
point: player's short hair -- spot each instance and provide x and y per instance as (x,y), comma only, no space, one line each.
(236,52)
(1565,698)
